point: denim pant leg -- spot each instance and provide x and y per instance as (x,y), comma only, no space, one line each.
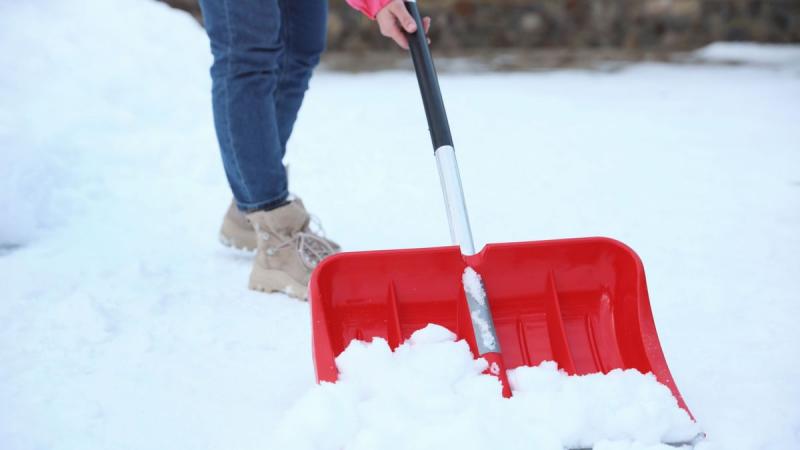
(303,31)
(247,46)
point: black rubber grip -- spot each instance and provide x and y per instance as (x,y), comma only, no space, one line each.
(428,82)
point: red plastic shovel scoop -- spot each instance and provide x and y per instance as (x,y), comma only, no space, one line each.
(579,302)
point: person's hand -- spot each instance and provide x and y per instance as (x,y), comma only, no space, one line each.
(394,18)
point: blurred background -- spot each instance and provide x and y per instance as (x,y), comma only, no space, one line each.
(520,34)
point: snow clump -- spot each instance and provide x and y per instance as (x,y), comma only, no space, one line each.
(430,393)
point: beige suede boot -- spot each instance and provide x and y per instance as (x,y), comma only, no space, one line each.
(287,250)
(236,230)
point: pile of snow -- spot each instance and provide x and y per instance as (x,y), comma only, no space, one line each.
(83,82)
(28,179)
(431,394)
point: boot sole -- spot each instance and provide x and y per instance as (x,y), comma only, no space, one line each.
(265,280)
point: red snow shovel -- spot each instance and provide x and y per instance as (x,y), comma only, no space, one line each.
(579,302)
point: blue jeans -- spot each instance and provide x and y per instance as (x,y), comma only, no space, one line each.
(264,54)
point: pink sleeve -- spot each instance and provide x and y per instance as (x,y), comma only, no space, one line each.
(369,7)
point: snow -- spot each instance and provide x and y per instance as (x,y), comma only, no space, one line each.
(776,56)
(126,325)
(430,394)
(474,285)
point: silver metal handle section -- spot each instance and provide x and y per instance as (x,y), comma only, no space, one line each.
(482,322)
(460,231)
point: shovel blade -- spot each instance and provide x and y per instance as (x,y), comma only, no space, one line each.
(582,303)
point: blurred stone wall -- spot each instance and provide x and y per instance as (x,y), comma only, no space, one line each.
(465,25)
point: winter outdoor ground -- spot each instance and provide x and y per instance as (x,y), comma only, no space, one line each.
(125,325)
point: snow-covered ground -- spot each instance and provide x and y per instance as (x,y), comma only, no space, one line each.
(125,325)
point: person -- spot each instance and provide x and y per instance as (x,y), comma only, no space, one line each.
(264,54)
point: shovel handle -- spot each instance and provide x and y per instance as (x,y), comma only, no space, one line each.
(460,231)
(428,81)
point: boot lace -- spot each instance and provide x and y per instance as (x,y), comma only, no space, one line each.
(312,248)
(311,245)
